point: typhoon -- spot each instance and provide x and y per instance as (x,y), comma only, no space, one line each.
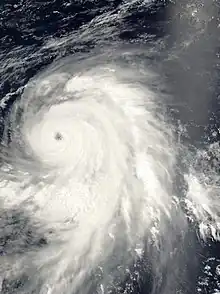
(98,192)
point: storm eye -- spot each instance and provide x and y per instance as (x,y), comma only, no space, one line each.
(58,136)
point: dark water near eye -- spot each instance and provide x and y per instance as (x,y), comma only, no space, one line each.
(186,38)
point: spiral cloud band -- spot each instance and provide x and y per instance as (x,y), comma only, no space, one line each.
(89,158)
